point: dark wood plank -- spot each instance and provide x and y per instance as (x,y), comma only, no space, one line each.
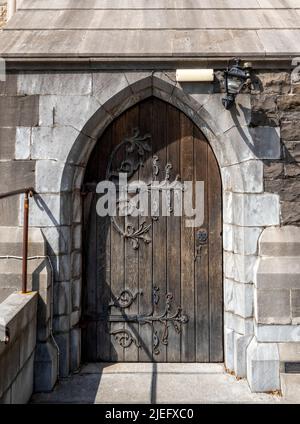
(102,257)
(187,247)
(119,131)
(132,255)
(173,232)
(159,228)
(201,261)
(145,250)
(215,260)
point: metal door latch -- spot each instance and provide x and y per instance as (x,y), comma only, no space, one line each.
(201,240)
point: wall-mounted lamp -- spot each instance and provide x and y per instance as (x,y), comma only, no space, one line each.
(235,78)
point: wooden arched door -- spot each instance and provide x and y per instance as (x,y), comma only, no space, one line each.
(152,288)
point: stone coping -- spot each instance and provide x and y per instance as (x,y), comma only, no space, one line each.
(15,312)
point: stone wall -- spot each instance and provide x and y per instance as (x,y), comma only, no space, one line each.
(18,319)
(2,12)
(49,124)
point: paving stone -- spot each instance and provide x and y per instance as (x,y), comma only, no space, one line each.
(263,366)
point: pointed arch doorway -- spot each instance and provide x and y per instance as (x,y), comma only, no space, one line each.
(152,289)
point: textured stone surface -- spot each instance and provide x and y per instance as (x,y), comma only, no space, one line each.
(278,333)
(280,241)
(290,213)
(290,130)
(273,307)
(20,111)
(16,175)
(246,177)
(278,273)
(46,364)
(7,143)
(60,83)
(240,354)
(263,366)
(23,143)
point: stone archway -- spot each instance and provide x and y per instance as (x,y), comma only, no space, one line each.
(246,208)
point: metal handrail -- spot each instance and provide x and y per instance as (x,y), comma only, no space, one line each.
(27,192)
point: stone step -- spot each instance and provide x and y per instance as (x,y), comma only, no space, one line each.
(290,386)
(39,274)
(11,241)
(284,241)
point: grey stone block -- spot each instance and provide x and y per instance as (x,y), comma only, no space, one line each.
(9,210)
(45,367)
(60,83)
(64,111)
(246,177)
(273,307)
(46,210)
(76,294)
(23,143)
(240,268)
(61,267)
(75,345)
(107,84)
(63,341)
(280,241)
(76,264)
(295,299)
(62,298)
(289,352)
(16,175)
(9,87)
(277,333)
(7,143)
(57,240)
(263,366)
(9,366)
(61,324)
(238,324)
(229,348)
(27,342)
(22,387)
(12,239)
(290,130)
(77,237)
(19,111)
(240,354)
(278,273)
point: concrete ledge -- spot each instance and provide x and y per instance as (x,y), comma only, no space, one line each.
(18,317)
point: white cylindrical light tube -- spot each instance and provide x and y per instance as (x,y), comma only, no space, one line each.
(11,8)
(194,75)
